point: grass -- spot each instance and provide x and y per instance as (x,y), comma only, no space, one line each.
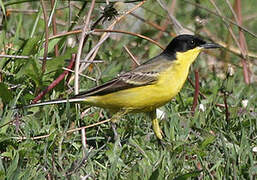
(209,144)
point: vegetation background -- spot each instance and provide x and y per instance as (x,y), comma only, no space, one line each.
(210,128)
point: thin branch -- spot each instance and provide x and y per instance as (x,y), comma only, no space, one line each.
(135,61)
(18,57)
(31,11)
(46,36)
(82,38)
(242,42)
(56,49)
(108,30)
(95,61)
(83,75)
(133,34)
(231,9)
(41,58)
(84,142)
(69,131)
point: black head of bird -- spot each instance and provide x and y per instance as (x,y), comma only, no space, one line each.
(183,43)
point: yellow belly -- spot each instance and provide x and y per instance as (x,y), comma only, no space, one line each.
(144,98)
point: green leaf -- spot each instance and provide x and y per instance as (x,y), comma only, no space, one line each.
(31,69)
(154,175)
(8,116)
(5,93)
(14,164)
(51,45)
(207,141)
(59,62)
(30,47)
(2,169)
(2,6)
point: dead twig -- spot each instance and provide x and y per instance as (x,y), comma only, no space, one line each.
(242,43)
(81,43)
(83,39)
(69,131)
(108,30)
(53,4)
(134,60)
(19,57)
(83,75)
(31,11)
(133,34)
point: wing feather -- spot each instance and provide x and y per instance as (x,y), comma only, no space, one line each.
(124,81)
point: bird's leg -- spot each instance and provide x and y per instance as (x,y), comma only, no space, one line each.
(156,128)
(115,118)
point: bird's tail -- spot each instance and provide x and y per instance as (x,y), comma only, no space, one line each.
(57,101)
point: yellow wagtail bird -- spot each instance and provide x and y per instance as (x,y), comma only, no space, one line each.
(150,85)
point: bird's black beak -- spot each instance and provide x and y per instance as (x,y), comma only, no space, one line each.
(210,46)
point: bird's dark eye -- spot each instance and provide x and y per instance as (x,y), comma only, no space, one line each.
(192,42)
